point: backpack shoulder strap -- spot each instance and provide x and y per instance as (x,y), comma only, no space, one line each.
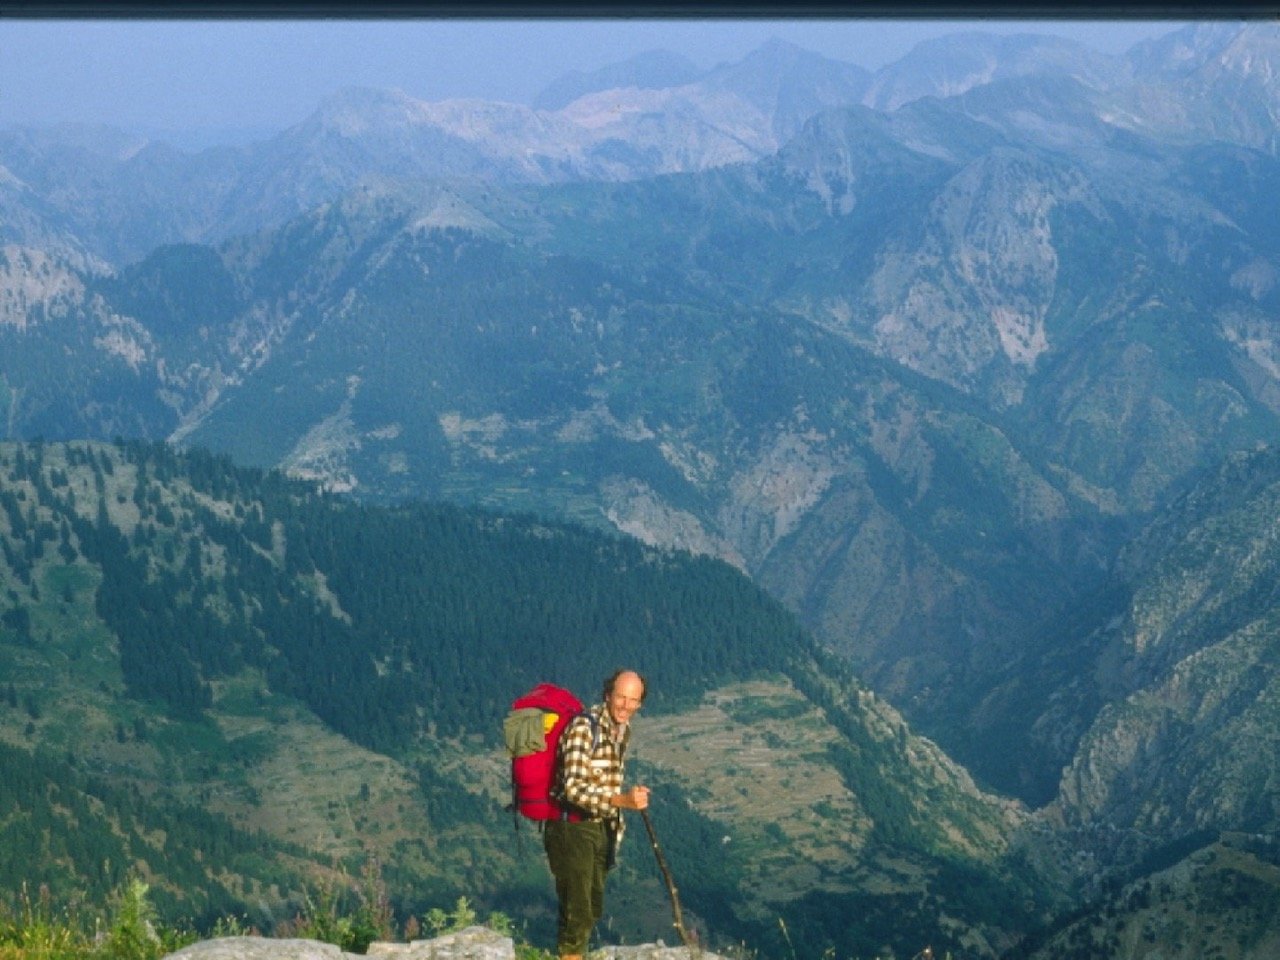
(592,721)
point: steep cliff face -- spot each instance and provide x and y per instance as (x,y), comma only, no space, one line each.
(1188,671)
(35,286)
(1220,898)
(1216,79)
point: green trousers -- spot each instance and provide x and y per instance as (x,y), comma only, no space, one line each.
(578,854)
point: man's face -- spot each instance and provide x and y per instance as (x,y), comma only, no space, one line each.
(625,699)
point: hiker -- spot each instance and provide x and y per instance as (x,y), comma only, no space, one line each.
(580,851)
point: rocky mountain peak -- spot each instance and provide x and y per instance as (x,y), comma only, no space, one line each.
(1184,51)
(779,65)
(1251,57)
(357,110)
(954,64)
(652,70)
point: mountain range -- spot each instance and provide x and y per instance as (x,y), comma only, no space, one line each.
(971,362)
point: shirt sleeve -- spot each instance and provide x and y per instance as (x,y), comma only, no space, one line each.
(581,788)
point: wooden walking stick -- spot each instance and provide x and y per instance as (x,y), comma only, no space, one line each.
(686,938)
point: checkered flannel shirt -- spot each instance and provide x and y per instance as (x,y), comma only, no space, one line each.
(588,778)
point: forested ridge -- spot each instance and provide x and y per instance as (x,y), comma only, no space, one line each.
(386,620)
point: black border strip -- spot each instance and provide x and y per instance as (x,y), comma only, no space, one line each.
(1172,10)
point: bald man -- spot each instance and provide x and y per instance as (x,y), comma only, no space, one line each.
(582,845)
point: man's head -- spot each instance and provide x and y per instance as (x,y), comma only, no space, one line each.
(623,694)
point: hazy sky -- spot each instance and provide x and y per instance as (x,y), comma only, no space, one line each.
(263,76)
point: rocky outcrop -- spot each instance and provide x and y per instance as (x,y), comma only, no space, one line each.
(473,943)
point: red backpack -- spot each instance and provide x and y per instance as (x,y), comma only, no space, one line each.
(533,766)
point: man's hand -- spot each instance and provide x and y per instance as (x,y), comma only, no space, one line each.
(637,798)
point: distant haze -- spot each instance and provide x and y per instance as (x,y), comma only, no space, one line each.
(230,79)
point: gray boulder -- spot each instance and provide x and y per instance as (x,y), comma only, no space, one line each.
(652,951)
(472,943)
(259,948)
